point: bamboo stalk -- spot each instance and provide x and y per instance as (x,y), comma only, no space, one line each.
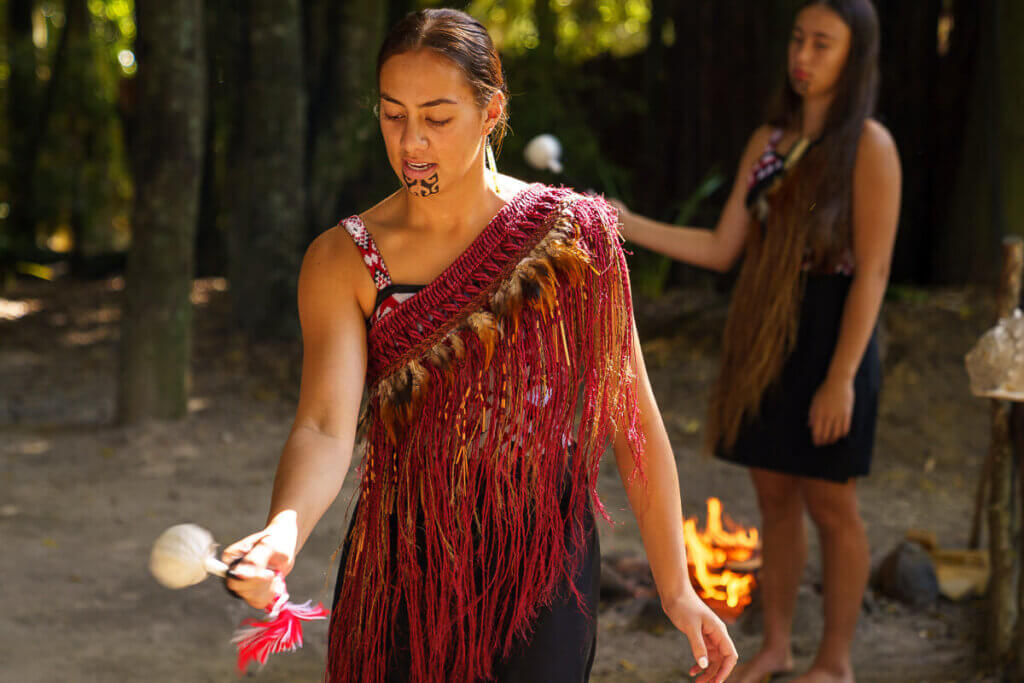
(1002,597)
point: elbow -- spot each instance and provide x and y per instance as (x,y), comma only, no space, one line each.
(723,252)
(725,261)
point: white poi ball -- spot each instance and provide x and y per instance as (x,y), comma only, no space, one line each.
(544,152)
(180,555)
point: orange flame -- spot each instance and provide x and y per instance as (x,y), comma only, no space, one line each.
(710,551)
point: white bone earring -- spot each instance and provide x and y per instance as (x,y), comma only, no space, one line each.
(492,164)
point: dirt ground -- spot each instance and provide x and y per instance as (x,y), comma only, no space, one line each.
(83,500)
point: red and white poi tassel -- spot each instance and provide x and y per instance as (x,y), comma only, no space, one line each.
(279,631)
(185,554)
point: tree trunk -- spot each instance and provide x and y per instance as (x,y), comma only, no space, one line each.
(268,218)
(342,42)
(22,101)
(170,105)
(78,71)
(220,29)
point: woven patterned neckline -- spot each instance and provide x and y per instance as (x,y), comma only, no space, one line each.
(477,249)
(439,305)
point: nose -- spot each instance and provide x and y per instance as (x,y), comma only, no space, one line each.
(803,55)
(413,138)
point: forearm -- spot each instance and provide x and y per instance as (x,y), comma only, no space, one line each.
(860,313)
(696,246)
(657,505)
(309,475)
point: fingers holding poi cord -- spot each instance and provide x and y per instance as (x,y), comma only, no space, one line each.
(251,575)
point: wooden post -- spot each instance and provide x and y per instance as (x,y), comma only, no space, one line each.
(980,496)
(1017,438)
(1002,597)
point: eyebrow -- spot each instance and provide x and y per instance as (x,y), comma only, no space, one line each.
(431,103)
(816,34)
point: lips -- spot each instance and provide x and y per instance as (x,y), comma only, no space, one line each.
(418,169)
(800,75)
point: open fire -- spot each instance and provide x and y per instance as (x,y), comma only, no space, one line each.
(722,560)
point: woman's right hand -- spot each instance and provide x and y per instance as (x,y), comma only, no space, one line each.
(259,562)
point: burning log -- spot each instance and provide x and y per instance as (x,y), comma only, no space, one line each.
(722,560)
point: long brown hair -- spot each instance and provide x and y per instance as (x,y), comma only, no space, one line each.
(824,177)
(810,211)
(461,39)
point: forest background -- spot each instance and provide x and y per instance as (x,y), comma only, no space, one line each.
(255,132)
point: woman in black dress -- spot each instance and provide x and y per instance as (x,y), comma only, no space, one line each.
(813,209)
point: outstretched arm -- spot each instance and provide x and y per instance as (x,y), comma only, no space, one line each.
(657,504)
(715,249)
(318,451)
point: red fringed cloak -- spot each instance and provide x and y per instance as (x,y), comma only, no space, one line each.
(478,385)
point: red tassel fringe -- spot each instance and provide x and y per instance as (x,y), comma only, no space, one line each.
(467,441)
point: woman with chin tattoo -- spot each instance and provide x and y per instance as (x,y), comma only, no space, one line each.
(813,210)
(490,324)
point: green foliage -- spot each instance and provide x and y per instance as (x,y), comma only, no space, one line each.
(113,27)
(907,294)
(584,29)
(82,52)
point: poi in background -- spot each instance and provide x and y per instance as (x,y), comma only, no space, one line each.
(544,153)
(185,554)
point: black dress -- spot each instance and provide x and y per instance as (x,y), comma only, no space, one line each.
(779,438)
(564,636)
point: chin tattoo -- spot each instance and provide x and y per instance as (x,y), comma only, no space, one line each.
(422,187)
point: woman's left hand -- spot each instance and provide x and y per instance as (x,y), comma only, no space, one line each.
(709,639)
(831,411)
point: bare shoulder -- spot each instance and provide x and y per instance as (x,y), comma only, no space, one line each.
(760,137)
(328,257)
(756,144)
(332,271)
(876,146)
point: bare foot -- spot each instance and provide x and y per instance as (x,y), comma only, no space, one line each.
(820,675)
(762,667)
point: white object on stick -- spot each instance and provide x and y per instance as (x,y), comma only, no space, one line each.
(996,363)
(183,556)
(544,152)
